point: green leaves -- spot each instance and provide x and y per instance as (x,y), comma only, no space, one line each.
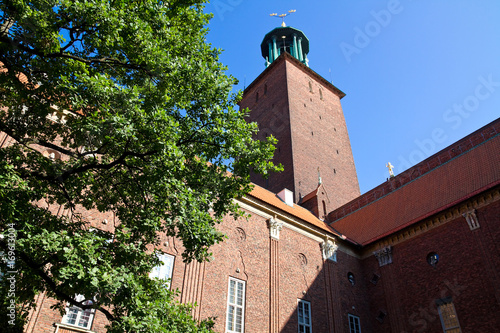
(117,107)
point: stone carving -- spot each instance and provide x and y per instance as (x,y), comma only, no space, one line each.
(329,250)
(241,234)
(471,219)
(302,259)
(384,256)
(274,228)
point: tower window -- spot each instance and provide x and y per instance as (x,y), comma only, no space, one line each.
(257,97)
(320,94)
(310,87)
(351,279)
(324,208)
(265,89)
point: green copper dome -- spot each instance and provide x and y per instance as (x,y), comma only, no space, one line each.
(285,39)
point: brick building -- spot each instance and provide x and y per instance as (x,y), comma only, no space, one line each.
(418,253)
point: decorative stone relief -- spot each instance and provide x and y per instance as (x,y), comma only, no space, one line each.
(274,228)
(302,259)
(471,219)
(241,234)
(384,256)
(329,250)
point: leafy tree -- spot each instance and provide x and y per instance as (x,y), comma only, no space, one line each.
(139,115)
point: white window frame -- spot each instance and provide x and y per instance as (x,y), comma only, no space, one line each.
(79,313)
(355,320)
(164,272)
(232,305)
(304,321)
(452,307)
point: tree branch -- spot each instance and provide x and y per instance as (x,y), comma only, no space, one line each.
(61,54)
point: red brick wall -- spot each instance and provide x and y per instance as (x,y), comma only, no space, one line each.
(320,138)
(468,271)
(311,130)
(271,112)
(244,255)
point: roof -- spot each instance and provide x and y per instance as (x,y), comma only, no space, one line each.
(314,194)
(283,31)
(285,56)
(296,211)
(407,201)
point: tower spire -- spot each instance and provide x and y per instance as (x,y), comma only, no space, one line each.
(285,39)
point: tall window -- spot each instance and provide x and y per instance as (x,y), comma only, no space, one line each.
(77,317)
(354,325)
(163,271)
(235,306)
(304,312)
(449,318)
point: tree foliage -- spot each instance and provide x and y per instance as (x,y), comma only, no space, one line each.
(139,115)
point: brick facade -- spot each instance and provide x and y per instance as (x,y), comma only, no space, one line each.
(302,110)
(382,238)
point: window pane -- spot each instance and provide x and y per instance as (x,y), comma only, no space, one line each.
(453,330)
(230,318)
(235,303)
(239,299)
(354,324)
(239,319)
(304,316)
(449,318)
(164,270)
(71,316)
(84,318)
(231,291)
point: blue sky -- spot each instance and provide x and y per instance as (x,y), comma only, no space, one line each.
(418,74)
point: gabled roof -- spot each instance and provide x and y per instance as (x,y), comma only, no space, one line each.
(296,211)
(467,168)
(314,194)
